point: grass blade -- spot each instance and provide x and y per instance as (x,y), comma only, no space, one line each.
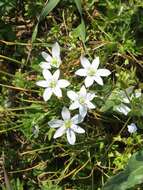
(34,34)
(80,31)
(48,8)
(79,7)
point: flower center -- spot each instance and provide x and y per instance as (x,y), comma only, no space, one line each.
(81,100)
(54,62)
(53,84)
(68,123)
(91,72)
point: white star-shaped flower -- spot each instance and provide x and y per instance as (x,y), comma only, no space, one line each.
(91,71)
(51,61)
(52,84)
(68,125)
(81,100)
(132,128)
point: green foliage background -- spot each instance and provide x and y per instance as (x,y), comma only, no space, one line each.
(29,157)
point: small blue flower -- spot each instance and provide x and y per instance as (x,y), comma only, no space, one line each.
(132,128)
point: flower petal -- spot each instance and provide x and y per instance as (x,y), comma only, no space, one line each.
(59,132)
(57,91)
(72,95)
(47,74)
(42,83)
(85,62)
(77,119)
(56,50)
(83,110)
(126,100)
(123,109)
(99,80)
(46,56)
(90,96)
(71,136)
(56,75)
(81,72)
(137,93)
(103,72)
(77,129)
(88,81)
(47,94)
(55,123)
(90,105)
(62,83)
(65,113)
(129,90)
(95,63)
(45,65)
(82,91)
(74,105)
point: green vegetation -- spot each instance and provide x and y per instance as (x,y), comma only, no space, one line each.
(107,156)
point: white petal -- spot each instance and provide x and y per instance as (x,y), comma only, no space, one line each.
(98,79)
(89,81)
(126,100)
(65,113)
(71,136)
(42,83)
(56,75)
(90,96)
(95,63)
(138,93)
(56,50)
(47,74)
(103,72)
(72,95)
(81,72)
(123,109)
(90,105)
(77,119)
(57,91)
(82,91)
(46,56)
(63,83)
(129,90)
(45,65)
(47,94)
(74,105)
(77,129)
(59,132)
(85,62)
(55,123)
(83,110)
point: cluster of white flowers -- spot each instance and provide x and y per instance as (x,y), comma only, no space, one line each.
(79,100)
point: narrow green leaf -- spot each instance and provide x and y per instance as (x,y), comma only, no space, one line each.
(35,33)
(48,8)
(80,31)
(79,7)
